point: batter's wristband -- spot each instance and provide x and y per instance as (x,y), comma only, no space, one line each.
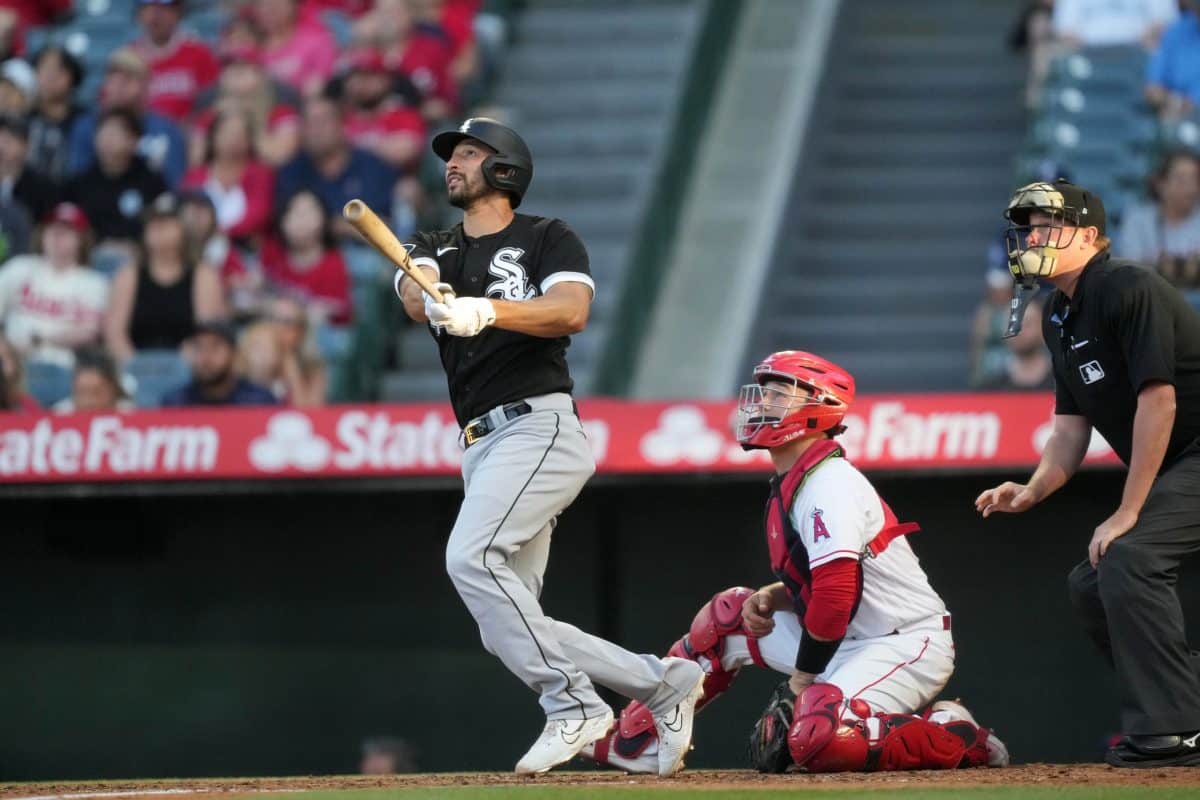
(814,655)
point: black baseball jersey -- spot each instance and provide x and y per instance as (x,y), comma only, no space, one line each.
(1125,327)
(518,263)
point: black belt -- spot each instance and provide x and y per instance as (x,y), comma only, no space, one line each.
(480,427)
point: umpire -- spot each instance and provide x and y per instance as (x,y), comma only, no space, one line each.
(516,287)
(1126,352)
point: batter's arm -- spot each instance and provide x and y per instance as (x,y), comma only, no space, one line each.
(411,295)
(561,311)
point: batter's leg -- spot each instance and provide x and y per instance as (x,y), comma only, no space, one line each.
(518,480)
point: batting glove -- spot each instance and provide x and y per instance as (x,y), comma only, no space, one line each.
(447,293)
(462,316)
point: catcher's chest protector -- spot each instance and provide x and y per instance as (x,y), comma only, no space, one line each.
(789,557)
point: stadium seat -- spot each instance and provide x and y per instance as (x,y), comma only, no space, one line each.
(155,373)
(47,383)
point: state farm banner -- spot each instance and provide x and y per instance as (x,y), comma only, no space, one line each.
(894,432)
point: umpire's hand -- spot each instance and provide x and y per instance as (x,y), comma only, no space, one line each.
(1009,497)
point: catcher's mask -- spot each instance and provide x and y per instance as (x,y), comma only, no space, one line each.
(795,394)
(1033,249)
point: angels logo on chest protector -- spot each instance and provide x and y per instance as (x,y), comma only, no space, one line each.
(512,282)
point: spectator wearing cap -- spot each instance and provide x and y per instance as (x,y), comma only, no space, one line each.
(374,120)
(302,261)
(240,186)
(209,247)
(334,169)
(13,396)
(161,142)
(1173,72)
(95,385)
(180,65)
(245,87)
(215,378)
(50,303)
(55,114)
(301,55)
(422,53)
(18,87)
(157,301)
(115,191)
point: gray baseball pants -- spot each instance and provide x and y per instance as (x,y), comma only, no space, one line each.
(517,480)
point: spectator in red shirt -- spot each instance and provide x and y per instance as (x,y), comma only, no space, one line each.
(374,120)
(423,54)
(242,188)
(302,261)
(17,16)
(245,87)
(300,55)
(180,65)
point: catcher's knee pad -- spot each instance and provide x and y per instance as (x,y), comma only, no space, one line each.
(905,741)
(717,619)
(818,740)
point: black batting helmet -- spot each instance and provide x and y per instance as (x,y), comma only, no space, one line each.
(511,152)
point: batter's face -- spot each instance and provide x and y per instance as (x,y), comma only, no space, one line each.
(464,173)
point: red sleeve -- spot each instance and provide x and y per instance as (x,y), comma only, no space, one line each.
(258,183)
(208,69)
(835,588)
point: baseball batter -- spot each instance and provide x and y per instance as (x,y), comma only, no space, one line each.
(852,619)
(515,288)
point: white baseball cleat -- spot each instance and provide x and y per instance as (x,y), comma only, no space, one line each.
(561,740)
(674,728)
(997,751)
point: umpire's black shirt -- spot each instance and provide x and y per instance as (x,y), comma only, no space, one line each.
(1125,326)
(520,262)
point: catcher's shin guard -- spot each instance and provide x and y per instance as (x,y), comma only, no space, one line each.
(704,643)
(831,734)
(819,740)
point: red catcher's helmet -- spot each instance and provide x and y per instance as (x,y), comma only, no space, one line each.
(822,393)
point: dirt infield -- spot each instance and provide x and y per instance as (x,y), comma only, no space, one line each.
(1027,774)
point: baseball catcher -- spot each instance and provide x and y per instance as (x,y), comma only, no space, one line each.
(852,619)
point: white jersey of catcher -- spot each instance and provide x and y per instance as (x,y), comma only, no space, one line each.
(837,513)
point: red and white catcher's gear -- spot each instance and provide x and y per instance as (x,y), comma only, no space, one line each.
(704,643)
(822,393)
(830,734)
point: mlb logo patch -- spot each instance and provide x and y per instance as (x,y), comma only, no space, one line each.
(1091,372)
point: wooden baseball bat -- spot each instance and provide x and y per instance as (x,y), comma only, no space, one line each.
(380,236)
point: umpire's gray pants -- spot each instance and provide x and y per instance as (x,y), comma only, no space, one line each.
(517,480)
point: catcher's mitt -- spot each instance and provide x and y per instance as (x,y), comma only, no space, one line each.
(768,741)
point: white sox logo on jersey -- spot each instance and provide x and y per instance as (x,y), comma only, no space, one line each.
(513,282)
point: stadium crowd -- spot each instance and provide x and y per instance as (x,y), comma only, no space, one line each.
(176,239)
(1114,99)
